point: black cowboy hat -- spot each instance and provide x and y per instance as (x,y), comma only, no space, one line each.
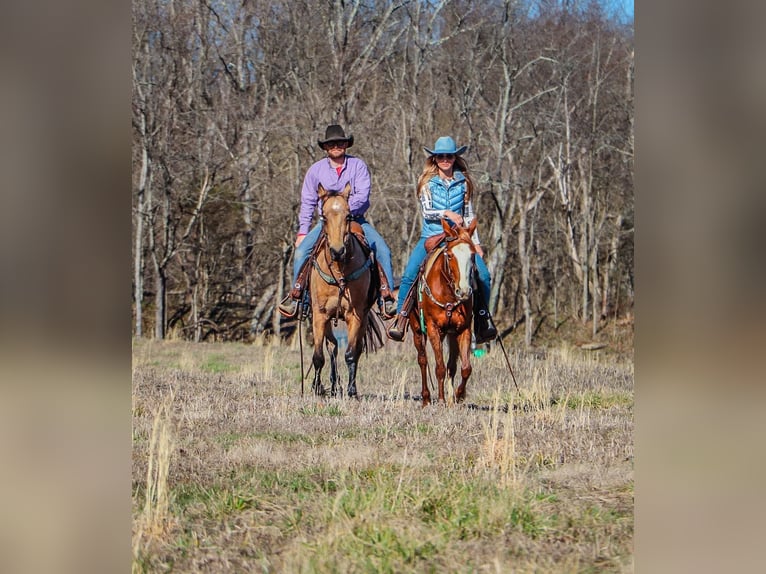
(335,133)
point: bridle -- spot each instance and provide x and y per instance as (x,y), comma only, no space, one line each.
(446,273)
(346,231)
(331,278)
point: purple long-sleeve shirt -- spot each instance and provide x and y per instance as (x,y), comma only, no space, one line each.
(354,172)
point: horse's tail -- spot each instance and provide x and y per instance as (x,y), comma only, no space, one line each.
(374,335)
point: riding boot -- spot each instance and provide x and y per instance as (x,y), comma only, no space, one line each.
(483,327)
(288,307)
(385,288)
(388,309)
(386,301)
(399,328)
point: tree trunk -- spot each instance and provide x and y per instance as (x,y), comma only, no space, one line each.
(284,269)
(524,282)
(611,266)
(138,259)
(261,318)
(160,283)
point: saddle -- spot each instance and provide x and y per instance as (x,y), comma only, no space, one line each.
(434,241)
(377,285)
(305,273)
(356,229)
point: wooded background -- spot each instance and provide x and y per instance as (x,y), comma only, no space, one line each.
(229,99)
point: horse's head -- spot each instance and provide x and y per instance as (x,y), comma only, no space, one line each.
(337,218)
(459,258)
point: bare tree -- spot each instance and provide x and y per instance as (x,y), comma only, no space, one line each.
(228,99)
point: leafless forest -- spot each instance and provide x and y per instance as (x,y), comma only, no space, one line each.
(229,99)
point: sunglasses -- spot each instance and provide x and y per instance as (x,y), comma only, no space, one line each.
(441,156)
(336,144)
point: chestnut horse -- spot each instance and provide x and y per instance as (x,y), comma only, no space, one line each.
(445,310)
(340,286)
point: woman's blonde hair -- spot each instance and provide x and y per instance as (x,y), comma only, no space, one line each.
(430,169)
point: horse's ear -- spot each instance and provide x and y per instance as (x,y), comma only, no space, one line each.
(472,227)
(448,228)
(321,192)
(346,191)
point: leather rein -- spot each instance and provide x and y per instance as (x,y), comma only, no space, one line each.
(343,280)
(446,273)
(330,278)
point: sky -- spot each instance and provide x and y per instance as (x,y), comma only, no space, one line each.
(624,6)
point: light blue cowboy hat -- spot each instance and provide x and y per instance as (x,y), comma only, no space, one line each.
(446,144)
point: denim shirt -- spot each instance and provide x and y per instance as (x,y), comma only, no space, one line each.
(439,196)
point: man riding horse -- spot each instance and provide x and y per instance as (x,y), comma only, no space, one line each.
(334,172)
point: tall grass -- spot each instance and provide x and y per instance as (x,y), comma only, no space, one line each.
(499,450)
(154,521)
(235,471)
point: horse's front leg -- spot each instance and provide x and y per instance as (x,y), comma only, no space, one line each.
(353,351)
(440,370)
(419,339)
(464,344)
(318,356)
(452,355)
(332,350)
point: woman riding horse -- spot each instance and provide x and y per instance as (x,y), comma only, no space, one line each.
(445,191)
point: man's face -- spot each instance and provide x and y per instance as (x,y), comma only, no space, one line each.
(336,150)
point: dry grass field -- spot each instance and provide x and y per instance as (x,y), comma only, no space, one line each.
(234,471)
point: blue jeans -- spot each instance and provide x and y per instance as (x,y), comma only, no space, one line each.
(375,240)
(413,265)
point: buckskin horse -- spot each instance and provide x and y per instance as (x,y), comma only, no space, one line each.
(445,310)
(341,287)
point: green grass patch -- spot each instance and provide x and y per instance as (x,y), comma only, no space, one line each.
(212,501)
(321,411)
(217,364)
(596,400)
(229,439)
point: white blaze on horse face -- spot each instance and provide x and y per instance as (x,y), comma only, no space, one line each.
(462,254)
(335,216)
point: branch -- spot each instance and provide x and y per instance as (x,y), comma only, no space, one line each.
(193,219)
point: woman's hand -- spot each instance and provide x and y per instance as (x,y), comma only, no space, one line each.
(479,250)
(454,217)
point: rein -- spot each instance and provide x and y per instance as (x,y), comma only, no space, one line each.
(330,279)
(449,306)
(342,281)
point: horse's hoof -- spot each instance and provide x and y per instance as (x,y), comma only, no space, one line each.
(319,390)
(351,391)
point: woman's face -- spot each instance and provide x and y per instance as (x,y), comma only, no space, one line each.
(444,160)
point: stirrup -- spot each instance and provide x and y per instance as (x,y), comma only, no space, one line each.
(398,329)
(387,308)
(288,307)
